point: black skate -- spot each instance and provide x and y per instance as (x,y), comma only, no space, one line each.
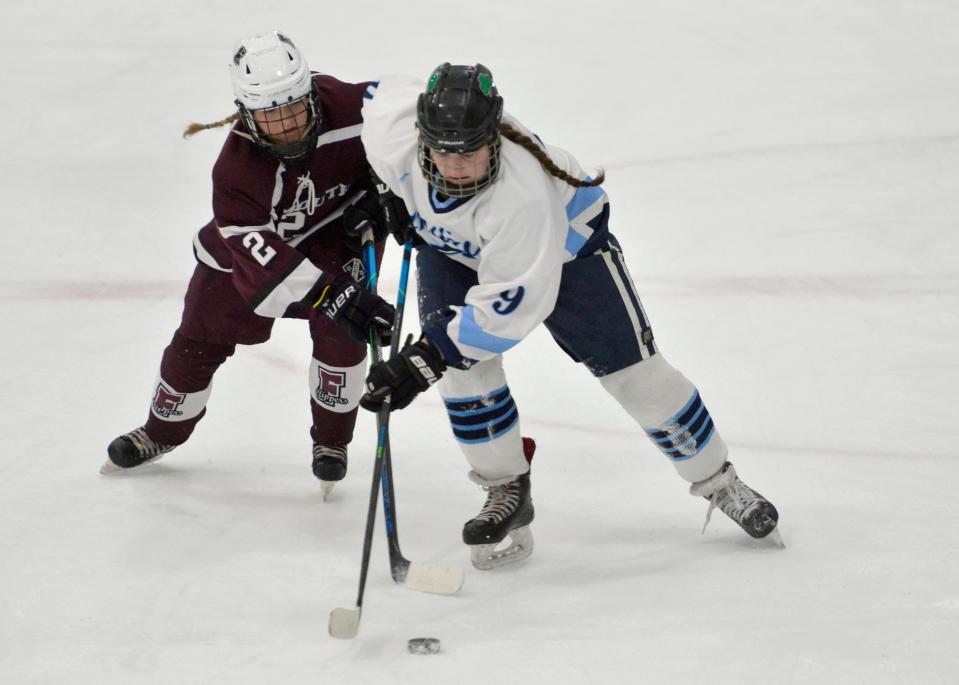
(133,449)
(329,465)
(754,513)
(507,513)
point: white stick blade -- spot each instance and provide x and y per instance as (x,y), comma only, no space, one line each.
(440,580)
(344,623)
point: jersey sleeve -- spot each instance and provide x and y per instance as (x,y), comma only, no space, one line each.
(389,126)
(275,279)
(518,283)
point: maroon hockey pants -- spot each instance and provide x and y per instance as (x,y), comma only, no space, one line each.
(215,320)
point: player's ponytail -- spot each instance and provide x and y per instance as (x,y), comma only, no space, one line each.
(195,128)
(549,166)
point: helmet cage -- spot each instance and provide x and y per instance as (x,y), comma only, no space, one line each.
(433,176)
(284,114)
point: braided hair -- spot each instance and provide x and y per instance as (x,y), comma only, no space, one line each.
(195,128)
(548,164)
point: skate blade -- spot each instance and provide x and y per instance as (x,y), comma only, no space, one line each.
(344,623)
(110,467)
(440,580)
(326,487)
(487,557)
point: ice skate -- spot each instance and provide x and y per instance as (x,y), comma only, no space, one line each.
(753,512)
(508,511)
(133,449)
(329,465)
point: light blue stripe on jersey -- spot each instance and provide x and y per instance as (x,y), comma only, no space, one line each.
(574,241)
(471,334)
(583,199)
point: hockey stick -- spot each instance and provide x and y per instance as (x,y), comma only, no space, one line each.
(345,623)
(439,579)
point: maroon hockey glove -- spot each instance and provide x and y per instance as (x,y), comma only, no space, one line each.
(414,369)
(358,311)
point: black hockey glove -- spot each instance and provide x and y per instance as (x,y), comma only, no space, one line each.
(414,369)
(398,219)
(357,310)
(366,211)
(395,215)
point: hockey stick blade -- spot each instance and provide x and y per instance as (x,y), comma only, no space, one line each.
(345,623)
(434,578)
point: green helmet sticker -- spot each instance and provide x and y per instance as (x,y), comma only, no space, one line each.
(485,83)
(431,84)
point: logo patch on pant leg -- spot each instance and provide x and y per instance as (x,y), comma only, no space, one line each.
(166,402)
(329,389)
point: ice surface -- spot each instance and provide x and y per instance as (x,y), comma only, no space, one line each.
(783,179)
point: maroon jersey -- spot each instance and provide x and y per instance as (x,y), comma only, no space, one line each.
(266,211)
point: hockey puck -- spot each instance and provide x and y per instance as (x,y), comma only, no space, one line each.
(423,645)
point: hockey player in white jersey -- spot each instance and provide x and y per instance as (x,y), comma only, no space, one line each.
(513,234)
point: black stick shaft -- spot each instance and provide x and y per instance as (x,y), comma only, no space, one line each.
(378,463)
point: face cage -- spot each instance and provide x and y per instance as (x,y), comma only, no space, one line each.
(285,151)
(450,189)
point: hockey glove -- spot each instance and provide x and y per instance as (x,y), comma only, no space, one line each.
(411,371)
(366,211)
(398,220)
(358,311)
(395,215)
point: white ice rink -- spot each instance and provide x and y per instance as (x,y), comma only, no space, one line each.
(784,177)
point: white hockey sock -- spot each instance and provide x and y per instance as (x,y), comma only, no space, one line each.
(485,420)
(668,407)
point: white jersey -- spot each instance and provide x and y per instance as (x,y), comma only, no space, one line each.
(516,234)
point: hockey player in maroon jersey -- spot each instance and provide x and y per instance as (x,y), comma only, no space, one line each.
(292,192)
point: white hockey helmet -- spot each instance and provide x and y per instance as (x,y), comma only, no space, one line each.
(268,72)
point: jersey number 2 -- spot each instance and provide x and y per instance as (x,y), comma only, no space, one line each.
(258,248)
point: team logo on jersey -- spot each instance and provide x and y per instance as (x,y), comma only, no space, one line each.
(355,269)
(329,389)
(448,244)
(166,402)
(306,200)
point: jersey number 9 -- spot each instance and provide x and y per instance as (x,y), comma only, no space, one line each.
(509,301)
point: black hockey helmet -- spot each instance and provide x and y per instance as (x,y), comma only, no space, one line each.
(460,112)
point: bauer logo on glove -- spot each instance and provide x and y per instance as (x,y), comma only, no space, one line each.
(411,371)
(424,368)
(358,311)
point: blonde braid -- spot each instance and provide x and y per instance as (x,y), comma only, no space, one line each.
(194,128)
(548,164)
